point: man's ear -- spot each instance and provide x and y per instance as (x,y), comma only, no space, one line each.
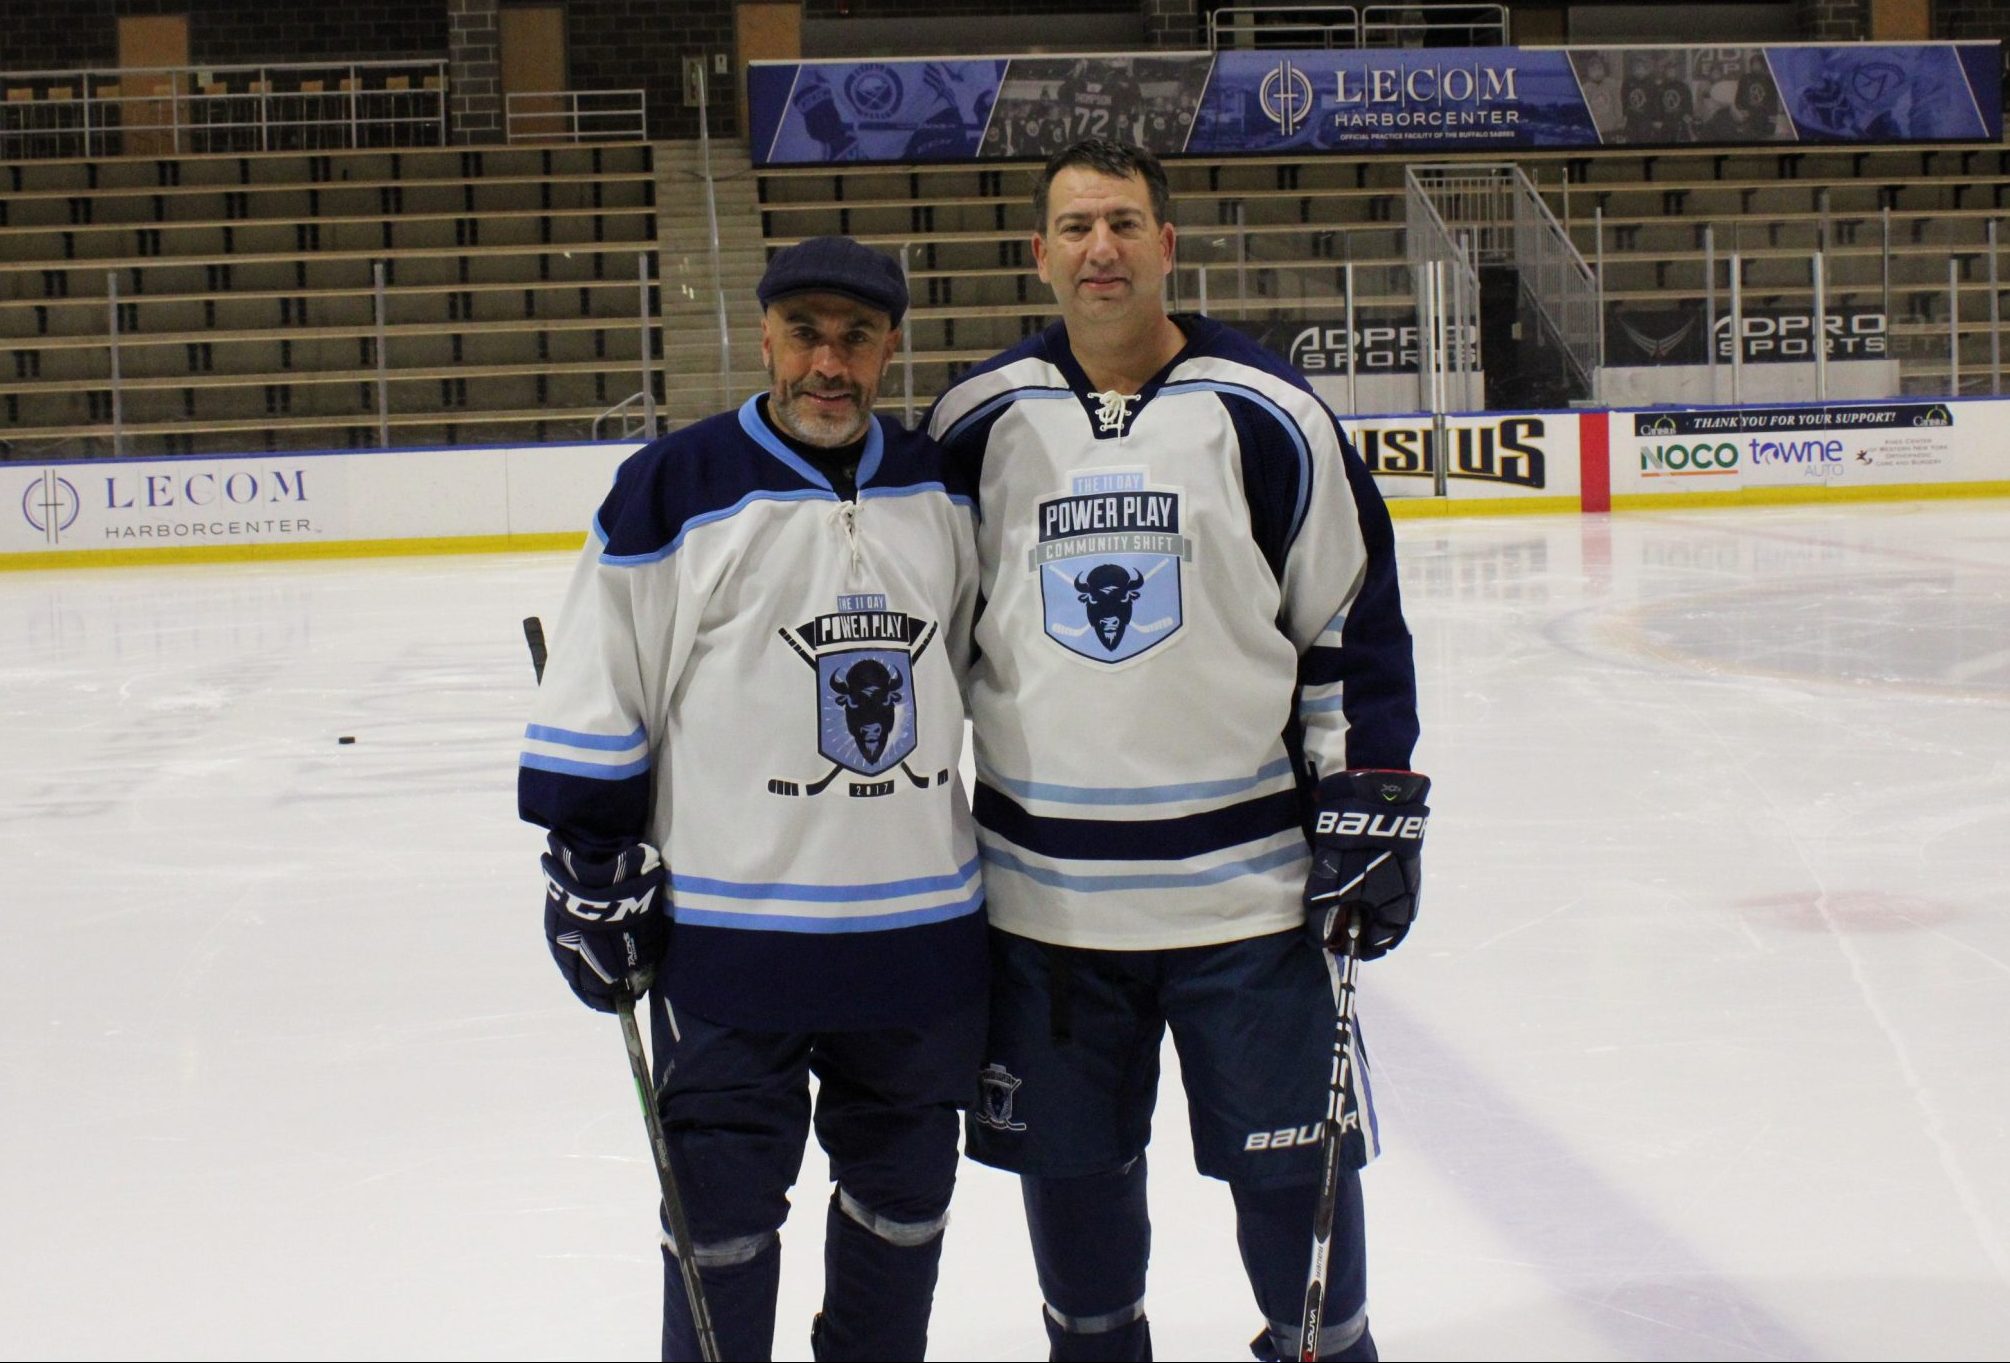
(1040,256)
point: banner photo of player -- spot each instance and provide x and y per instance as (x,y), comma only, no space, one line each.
(1677,95)
(870,111)
(1048,102)
(1265,103)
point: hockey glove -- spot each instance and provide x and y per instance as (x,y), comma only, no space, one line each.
(607,921)
(1367,843)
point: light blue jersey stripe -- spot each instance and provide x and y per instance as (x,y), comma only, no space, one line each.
(571,738)
(807,494)
(1321,706)
(1163,880)
(788,922)
(827,894)
(1055,793)
(539,762)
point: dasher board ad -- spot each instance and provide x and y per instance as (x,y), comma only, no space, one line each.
(1488,455)
(1835,445)
(1310,102)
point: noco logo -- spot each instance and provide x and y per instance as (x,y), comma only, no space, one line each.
(50,504)
(1703,456)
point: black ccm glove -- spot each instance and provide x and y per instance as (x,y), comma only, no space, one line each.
(1367,843)
(606,921)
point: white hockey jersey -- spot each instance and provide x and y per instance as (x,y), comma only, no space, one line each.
(1190,615)
(763,681)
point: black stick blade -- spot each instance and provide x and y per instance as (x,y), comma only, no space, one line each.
(533,635)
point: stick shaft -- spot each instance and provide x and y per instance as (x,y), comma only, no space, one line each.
(673,1205)
(1340,1104)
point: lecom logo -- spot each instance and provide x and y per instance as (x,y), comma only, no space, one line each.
(50,504)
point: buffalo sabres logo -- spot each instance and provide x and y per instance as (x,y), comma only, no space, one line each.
(863,655)
(1108,558)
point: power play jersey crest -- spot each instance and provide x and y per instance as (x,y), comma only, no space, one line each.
(863,657)
(1108,554)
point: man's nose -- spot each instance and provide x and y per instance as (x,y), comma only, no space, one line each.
(825,360)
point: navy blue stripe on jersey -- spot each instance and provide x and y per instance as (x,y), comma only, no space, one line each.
(1173,839)
(1321,666)
(792,982)
(1147,880)
(1054,793)
(607,556)
(1260,440)
(595,816)
(1376,671)
(966,426)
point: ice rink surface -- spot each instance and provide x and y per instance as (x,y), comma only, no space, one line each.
(1701,1049)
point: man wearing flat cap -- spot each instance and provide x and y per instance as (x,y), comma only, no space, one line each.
(745,751)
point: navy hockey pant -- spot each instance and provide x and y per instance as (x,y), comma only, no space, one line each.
(1071,1077)
(736,1110)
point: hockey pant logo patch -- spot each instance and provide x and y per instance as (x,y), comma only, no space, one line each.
(997,1088)
(1292,1136)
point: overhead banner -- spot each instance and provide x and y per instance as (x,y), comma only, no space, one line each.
(1266,103)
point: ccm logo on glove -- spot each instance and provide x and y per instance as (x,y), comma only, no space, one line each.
(1356,824)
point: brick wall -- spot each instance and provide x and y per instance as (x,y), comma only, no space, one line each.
(1172,23)
(630,44)
(38,35)
(934,9)
(1834,21)
(1971,19)
(474,71)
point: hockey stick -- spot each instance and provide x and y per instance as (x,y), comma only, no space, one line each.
(673,1205)
(1341,1114)
(645,1091)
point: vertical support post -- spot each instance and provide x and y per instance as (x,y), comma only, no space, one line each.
(383,359)
(1737,329)
(647,314)
(1598,249)
(1710,303)
(906,350)
(118,401)
(264,109)
(1953,327)
(355,93)
(1353,393)
(1995,321)
(1241,265)
(1820,340)
(1420,283)
(712,218)
(1202,271)
(1441,474)
(1884,218)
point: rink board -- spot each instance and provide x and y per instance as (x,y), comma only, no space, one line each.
(357,503)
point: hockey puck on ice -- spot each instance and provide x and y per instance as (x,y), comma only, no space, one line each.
(346,738)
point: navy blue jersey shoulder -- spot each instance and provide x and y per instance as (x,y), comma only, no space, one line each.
(1206,336)
(912,459)
(697,472)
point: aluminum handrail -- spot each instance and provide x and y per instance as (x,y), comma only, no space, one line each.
(563,116)
(1261,24)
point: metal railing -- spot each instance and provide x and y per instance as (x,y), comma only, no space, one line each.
(177,110)
(1447,235)
(576,116)
(1346,27)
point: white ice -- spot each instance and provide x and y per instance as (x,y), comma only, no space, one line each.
(1701,1048)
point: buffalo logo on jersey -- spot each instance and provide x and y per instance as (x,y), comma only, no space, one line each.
(1108,556)
(863,656)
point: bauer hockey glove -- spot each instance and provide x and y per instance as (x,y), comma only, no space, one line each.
(1367,845)
(607,921)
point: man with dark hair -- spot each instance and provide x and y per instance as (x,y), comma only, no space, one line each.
(753,708)
(1195,708)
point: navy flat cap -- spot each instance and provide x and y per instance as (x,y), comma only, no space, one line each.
(836,265)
